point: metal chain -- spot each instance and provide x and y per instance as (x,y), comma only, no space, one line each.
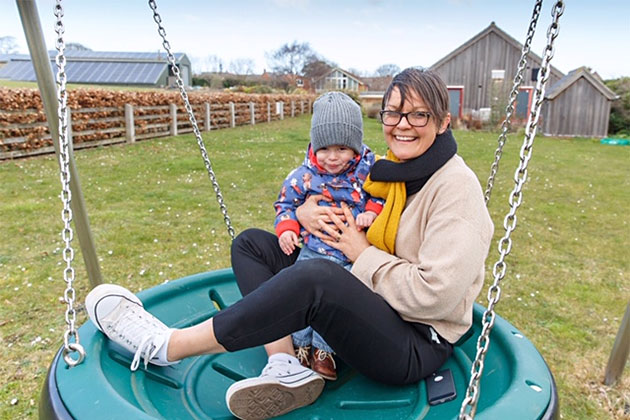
(191,117)
(69,346)
(469,405)
(518,79)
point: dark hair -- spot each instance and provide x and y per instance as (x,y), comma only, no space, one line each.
(427,85)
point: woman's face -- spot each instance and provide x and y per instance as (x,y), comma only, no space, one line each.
(404,140)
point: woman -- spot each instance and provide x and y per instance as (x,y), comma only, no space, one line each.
(394,317)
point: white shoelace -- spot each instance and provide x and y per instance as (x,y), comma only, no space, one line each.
(132,326)
(146,349)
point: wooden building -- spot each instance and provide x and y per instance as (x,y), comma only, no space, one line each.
(577,105)
(482,70)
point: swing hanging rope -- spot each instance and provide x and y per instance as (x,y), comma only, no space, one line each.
(469,405)
(509,110)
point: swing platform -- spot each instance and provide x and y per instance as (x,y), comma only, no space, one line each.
(516,381)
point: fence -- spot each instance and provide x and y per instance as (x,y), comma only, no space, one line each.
(101,126)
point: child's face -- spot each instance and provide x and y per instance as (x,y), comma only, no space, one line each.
(334,159)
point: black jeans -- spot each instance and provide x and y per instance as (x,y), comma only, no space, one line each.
(281,297)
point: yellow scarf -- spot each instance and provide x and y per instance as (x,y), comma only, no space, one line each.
(382,233)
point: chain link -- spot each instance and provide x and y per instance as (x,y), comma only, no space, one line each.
(509,110)
(469,405)
(191,117)
(71,342)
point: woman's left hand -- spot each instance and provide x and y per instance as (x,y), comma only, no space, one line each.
(344,237)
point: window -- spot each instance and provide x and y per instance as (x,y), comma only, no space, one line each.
(535,71)
(498,74)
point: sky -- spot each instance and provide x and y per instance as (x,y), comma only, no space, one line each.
(354,34)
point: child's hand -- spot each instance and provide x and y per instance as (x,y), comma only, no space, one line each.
(365,219)
(288,241)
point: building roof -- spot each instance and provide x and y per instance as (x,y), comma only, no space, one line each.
(377,84)
(96,67)
(573,76)
(492,28)
(346,72)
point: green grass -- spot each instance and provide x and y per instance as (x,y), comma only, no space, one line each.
(154,217)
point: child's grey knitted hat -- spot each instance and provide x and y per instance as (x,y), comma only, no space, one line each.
(337,120)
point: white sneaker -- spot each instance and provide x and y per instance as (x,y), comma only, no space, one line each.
(120,315)
(282,387)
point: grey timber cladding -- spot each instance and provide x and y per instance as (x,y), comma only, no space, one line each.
(579,110)
(472,63)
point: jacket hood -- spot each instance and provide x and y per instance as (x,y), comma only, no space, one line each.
(310,160)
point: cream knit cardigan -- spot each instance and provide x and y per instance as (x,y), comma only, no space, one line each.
(442,242)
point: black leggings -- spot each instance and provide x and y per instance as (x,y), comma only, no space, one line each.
(282,297)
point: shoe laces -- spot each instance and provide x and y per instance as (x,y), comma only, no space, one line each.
(322,354)
(138,331)
(279,368)
(147,350)
(303,353)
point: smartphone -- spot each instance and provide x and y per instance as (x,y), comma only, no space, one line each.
(440,387)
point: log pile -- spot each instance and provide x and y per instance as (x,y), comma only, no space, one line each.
(99,113)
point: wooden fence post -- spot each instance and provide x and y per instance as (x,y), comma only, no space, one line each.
(292,108)
(173,119)
(252,113)
(130,128)
(620,350)
(69,133)
(207,119)
(268,111)
(232,115)
(282,110)
(301,107)
(310,107)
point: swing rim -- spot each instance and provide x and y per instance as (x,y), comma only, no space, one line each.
(53,406)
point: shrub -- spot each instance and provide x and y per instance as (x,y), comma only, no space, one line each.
(619,122)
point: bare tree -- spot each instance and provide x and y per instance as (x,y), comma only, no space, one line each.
(357,72)
(316,67)
(213,63)
(387,70)
(8,45)
(289,58)
(244,66)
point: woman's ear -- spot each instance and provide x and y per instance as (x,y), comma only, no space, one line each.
(445,123)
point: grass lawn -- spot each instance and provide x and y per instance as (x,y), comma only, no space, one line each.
(154,218)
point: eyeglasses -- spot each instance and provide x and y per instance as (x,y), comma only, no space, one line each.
(415,119)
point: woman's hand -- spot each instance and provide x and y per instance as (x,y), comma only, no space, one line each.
(310,213)
(344,237)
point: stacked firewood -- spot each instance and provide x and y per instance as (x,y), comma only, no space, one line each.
(99,113)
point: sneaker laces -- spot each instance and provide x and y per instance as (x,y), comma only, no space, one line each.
(279,369)
(141,333)
(146,349)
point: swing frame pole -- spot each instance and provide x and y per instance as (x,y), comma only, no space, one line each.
(46,84)
(620,351)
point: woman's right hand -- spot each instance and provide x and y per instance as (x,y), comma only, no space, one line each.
(310,213)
